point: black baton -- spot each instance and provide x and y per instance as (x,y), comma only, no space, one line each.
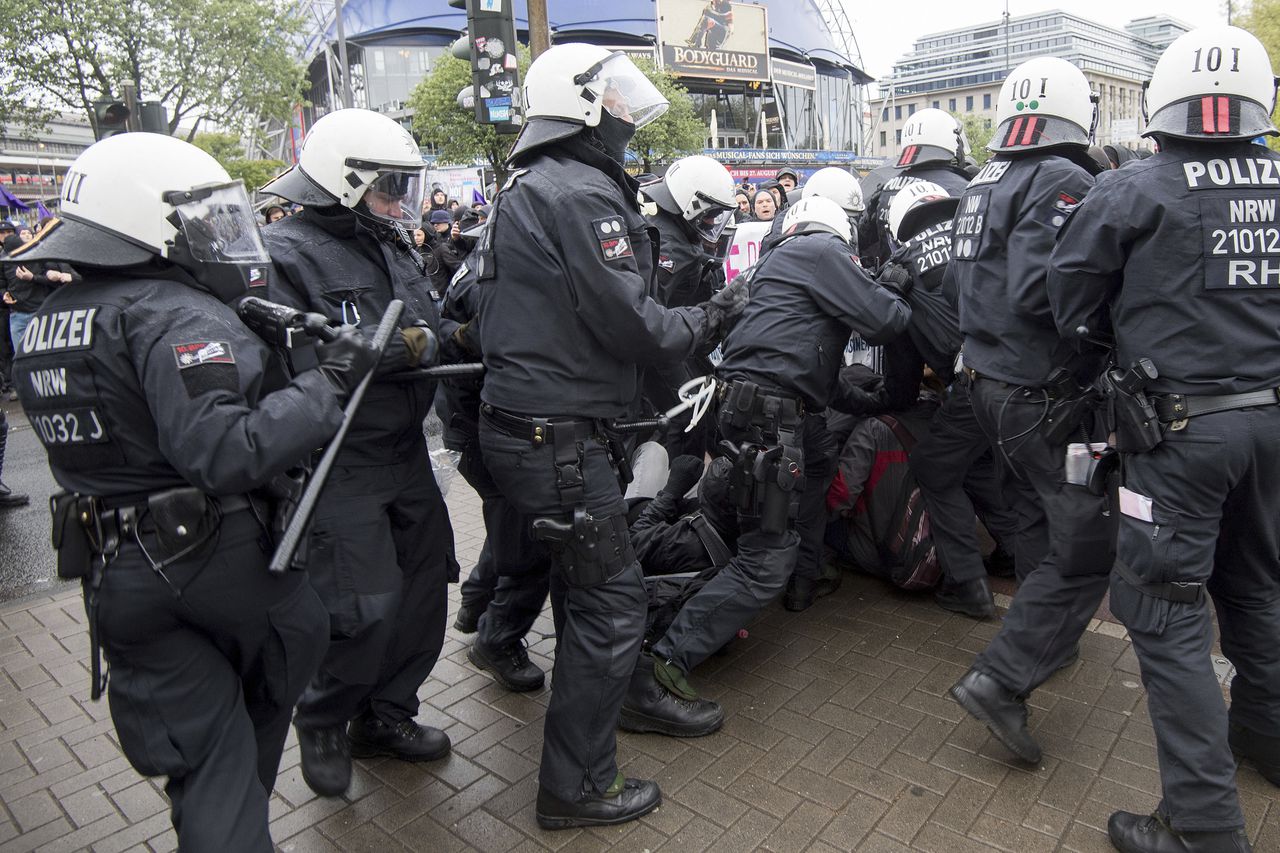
(283,556)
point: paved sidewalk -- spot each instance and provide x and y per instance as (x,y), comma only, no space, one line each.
(837,738)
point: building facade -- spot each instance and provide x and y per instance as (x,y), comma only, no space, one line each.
(33,163)
(961,70)
(813,101)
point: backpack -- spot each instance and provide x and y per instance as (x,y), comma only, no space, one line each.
(910,550)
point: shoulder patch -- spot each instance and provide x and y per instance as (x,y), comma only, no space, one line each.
(611,232)
(202,352)
(666,263)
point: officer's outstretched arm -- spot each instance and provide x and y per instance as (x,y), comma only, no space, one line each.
(194,378)
(1086,269)
(608,291)
(842,289)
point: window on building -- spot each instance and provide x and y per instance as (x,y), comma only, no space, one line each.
(986,101)
(897,113)
(884,114)
(952,105)
(937,105)
(897,136)
(968,103)
(911,109)
(883,139)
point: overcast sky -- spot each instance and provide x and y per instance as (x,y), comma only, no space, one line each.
(887,30)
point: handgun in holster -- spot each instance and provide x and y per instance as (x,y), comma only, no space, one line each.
(1069,405)
(777,475)
(1138,428)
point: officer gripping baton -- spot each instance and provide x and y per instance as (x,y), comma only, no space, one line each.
(283,556)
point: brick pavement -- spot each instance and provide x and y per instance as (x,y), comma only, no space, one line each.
(837,738)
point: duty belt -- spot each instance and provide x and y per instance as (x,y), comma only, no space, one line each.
(540,431)
(1178,407)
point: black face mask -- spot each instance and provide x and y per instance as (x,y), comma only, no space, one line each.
(613,134)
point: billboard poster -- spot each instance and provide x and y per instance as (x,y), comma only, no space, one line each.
(714,38)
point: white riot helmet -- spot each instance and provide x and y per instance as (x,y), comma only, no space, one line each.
(1044,102)
(930,135)
(917,203)
(700,191)
(569,86)
(1211,83)
(838,185)
(361,160)
(137,196)
(816,214)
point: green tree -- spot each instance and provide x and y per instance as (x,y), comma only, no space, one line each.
(227,62)
(1263,20)
(458,139)
(228,150)
(679,132)
(978,131)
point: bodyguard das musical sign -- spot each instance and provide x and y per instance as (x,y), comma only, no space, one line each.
(714,38)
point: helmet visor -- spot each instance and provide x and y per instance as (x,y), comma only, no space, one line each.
(219,225)
(628,94)
(393,194)
(711,224)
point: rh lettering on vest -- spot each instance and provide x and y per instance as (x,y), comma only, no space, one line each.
(1231,172)
(59,331)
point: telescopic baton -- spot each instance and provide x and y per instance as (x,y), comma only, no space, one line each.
(283,556)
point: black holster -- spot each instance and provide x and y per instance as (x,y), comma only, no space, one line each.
(591,550)
(72,516)
(185,519)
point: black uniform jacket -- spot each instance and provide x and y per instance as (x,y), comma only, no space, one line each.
(1184,249)
(331,265)
(1004,231)
(807,296)
(137,385)
(567,314)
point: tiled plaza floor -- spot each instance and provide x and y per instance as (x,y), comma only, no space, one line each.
(838,737)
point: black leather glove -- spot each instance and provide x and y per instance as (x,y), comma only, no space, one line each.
(684,472)
(897,278)
(422,345)
(345,360)
(725,306)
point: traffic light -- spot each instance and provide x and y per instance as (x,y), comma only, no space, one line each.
(493,51)
(110,118)
(154,117)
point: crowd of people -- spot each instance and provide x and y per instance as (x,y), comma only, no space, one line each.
(1081,358)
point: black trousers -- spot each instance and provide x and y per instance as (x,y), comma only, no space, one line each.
(752,579)
(599,628)
(821,456)
(381,558)
(956,472)
(202,686)
(510,580)
(1213,519)
(1057,599)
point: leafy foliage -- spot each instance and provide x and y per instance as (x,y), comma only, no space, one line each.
(228,150)
(458,138)
(221,61)
(1263,20)
(978,131)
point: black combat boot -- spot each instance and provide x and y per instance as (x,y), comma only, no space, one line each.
(1135,833)
(661,700)
(972,598)
(510,666)
(467,620)
(1261,750)
(326,759)
(1003,713)
(405,740)
(626,799)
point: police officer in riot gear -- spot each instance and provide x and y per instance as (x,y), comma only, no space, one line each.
(953,463)
(381,546)
(934,148)
(1003,232)
(830,182)
(694,203)
(564,276)
(779,371)
(162,414)
(1176,255)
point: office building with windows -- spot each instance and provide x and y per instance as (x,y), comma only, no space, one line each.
(961,70)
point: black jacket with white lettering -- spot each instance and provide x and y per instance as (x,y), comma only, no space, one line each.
(1180,255)
(140,384)
(333,265)
(1004,230)
(808,295)
(567,314)
(875,244)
